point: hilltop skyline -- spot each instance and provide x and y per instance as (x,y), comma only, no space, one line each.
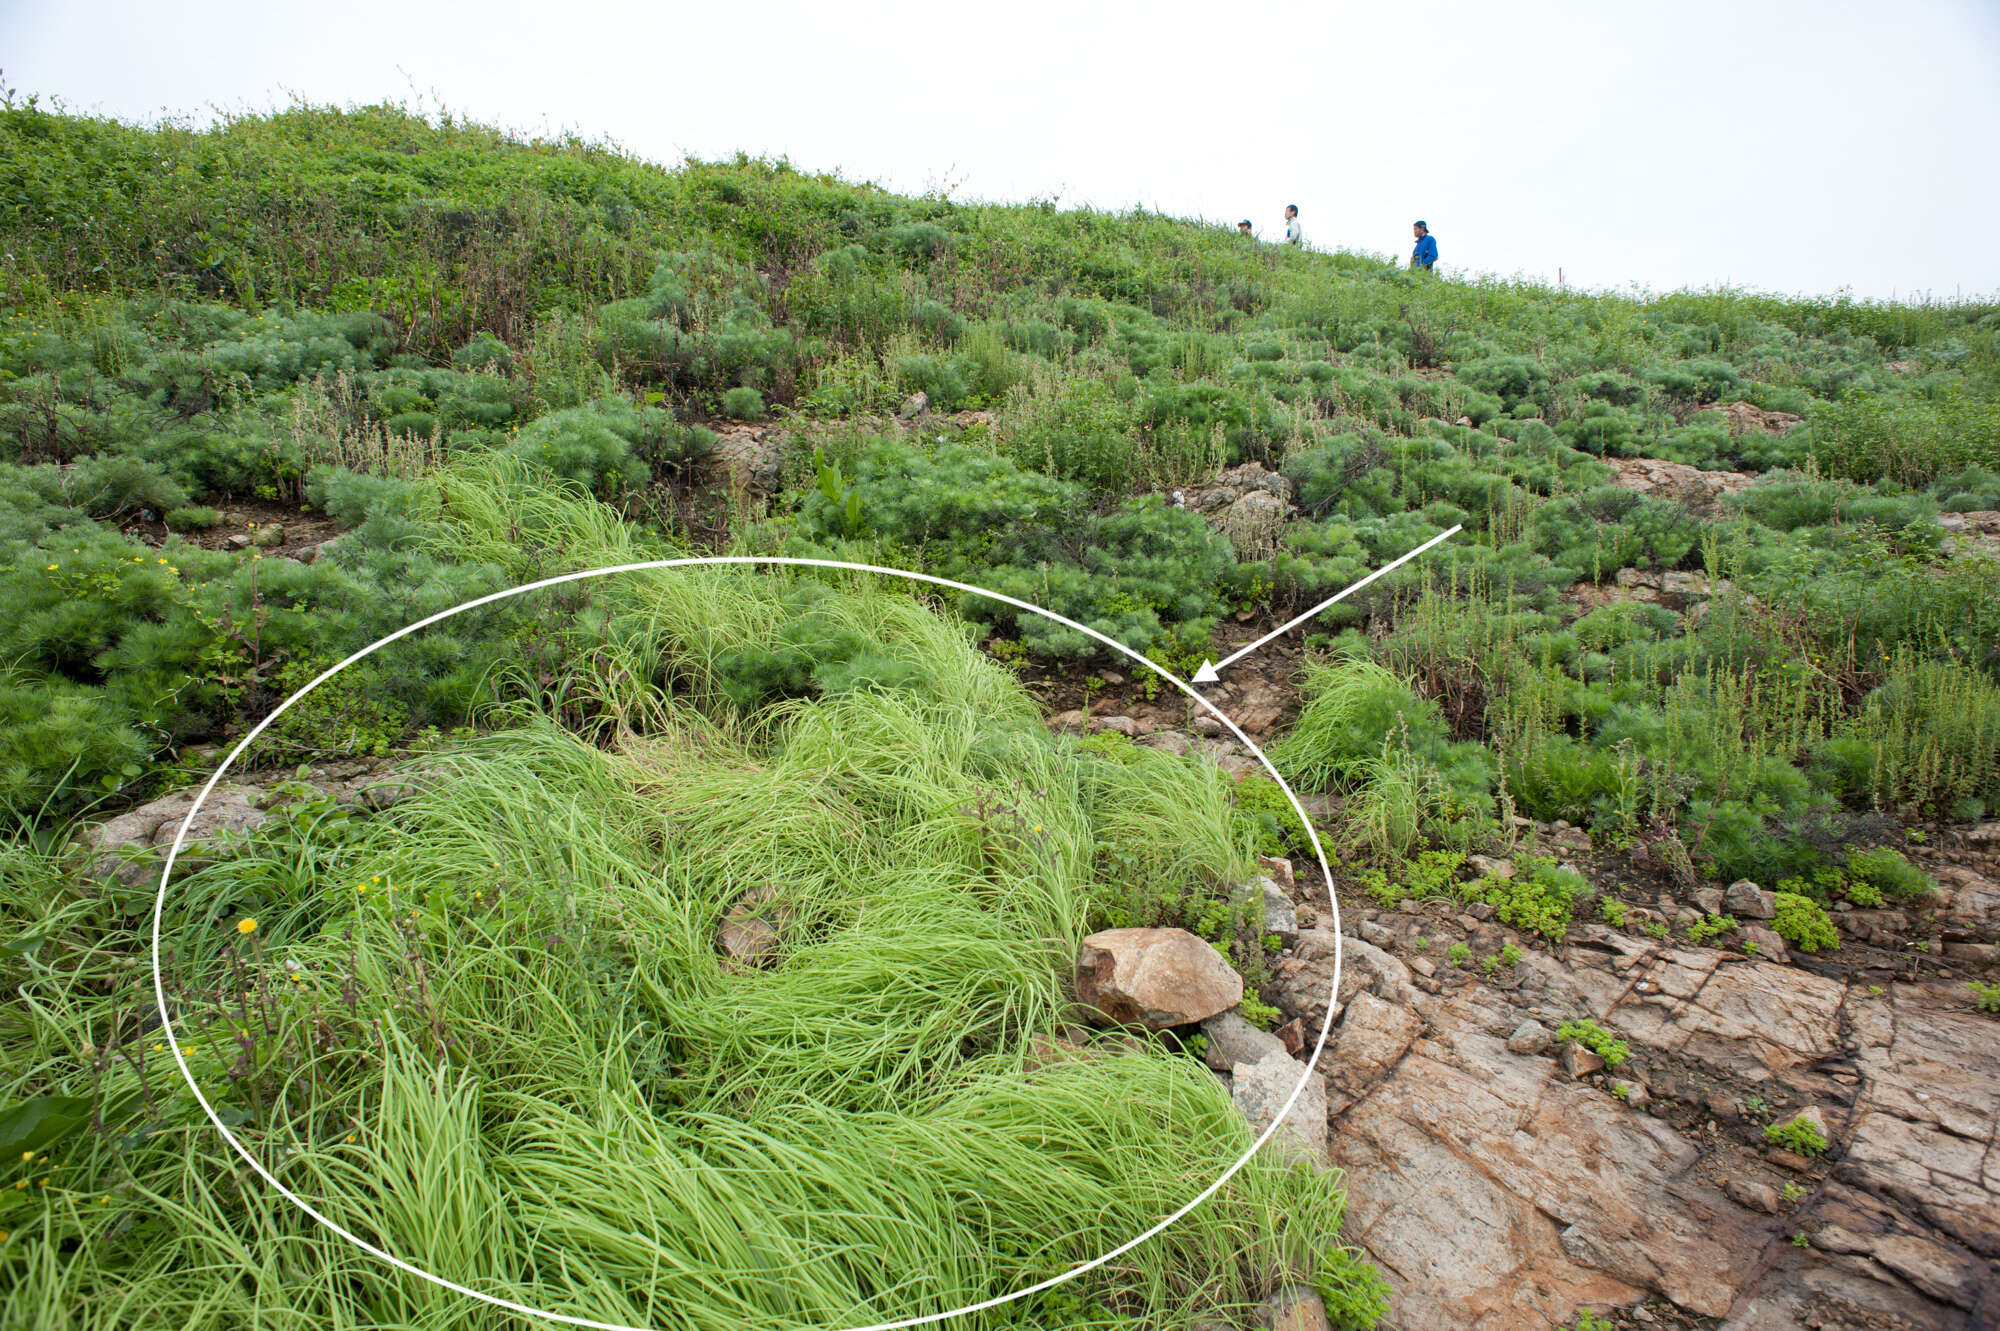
(1792,154)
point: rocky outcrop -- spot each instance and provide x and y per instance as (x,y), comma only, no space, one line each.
(131,847)
(1248,504)
(1261,1090)
(1977,532)
(1154,978)
(1744,416)
(1497,1189)
(1694,489)
(747,458)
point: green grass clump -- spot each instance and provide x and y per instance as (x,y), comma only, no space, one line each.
(497,1033)
(193,517)
(1365,734)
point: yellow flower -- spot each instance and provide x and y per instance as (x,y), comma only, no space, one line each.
(350,1139)
(187,1051)
(52,568)
(26,1156)
(246,925)
(22,1185)
(159,1048)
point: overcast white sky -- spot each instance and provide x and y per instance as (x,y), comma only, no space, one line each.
(1789,147)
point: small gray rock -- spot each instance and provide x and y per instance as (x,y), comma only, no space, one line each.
(1530,1037)
(1746,901)
(1168,741)
(1233,1040)
(1294,1308)
(1753,1194)
(1770,947)
(1580,1062)
(1260,1091)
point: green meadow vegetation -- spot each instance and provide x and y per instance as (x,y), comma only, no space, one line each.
(489,1029)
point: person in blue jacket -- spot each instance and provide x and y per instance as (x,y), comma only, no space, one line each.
(1426,252)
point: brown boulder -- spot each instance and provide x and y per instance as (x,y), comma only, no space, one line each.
(1155,978)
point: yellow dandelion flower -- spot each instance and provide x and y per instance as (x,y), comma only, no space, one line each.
(246,925)
(52,568)
(187,1051)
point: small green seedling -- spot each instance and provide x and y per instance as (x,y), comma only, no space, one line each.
(1799,1136)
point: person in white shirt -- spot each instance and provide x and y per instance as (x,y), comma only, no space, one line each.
(1293,235)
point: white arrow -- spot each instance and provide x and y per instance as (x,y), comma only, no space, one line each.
(1207,673)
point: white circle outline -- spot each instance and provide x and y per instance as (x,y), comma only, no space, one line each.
(180,835)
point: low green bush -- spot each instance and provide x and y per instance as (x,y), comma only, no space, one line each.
(193,518)
(1800,922)
(743,404)
(1889,875)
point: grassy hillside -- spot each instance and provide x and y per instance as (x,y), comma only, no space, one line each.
(485,361)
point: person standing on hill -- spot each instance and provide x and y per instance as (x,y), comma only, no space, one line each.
(1425,255)
(1243,229)
(1293,235)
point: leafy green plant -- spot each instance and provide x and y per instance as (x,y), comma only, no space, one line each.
(1986,996)
(1710,927)
(1539,899)
(1797,1135)
(1803,924)
(1596,1039)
